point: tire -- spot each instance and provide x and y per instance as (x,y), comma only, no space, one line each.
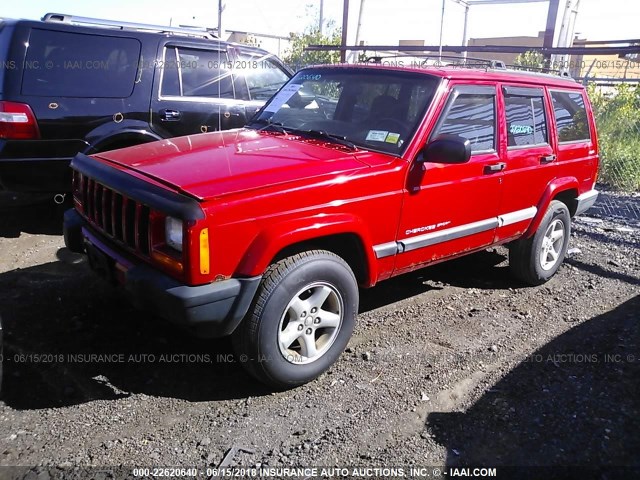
(300,321)
(535,260)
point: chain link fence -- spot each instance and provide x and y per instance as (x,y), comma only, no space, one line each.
(617,115)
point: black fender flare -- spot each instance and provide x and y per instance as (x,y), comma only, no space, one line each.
(132,134)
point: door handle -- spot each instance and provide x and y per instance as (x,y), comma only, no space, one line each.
(496,167)
(547,158)
(170,115)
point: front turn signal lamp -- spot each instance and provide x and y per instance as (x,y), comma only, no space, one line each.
(204,251)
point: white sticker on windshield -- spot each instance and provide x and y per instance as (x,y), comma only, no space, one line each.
(377,135)
(282,97)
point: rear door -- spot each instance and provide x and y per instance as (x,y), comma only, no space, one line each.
(529,156)
(451,209)
(577,149)
(194,91)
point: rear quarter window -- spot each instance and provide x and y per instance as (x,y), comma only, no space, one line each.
(264,77)
(78,65)
(571,116)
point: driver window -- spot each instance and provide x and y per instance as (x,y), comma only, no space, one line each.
(471,116)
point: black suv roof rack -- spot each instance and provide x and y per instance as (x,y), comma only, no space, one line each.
(76,20)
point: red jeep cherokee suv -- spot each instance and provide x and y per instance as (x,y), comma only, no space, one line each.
(349,175)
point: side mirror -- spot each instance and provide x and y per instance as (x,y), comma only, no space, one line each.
(447,148)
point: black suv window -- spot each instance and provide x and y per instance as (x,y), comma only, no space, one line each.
(472,116)
(66,64)
(571,116)
(263,75)
(526,122)
(190,72)
(5,40)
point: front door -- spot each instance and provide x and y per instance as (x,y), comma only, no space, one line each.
(452,208)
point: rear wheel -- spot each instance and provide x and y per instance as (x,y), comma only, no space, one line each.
(301,320)
(536,259)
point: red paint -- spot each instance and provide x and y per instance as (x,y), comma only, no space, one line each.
(264,191)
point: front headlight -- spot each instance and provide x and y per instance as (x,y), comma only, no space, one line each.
(173,233)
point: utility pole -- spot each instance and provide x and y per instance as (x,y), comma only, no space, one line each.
(220,10)
(549,33)
(565,36)
(441,29)
(345,24)
(354,55)
(465,40)
(321,20)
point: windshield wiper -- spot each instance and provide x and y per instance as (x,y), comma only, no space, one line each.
(339,139)
(269,125)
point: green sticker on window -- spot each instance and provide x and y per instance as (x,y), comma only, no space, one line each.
(520,129)
(392,138)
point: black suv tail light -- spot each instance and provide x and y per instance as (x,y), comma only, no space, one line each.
(17,122)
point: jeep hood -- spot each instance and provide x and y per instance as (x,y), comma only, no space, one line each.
(220,163)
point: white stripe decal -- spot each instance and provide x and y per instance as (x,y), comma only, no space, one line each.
(386,249)
(515,217)
(413,243)
(441,236)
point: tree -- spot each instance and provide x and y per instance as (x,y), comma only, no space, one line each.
(297,58)
(530,60)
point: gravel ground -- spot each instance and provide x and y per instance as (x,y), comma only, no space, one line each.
(453,365)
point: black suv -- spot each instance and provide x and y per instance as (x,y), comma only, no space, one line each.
(74,84)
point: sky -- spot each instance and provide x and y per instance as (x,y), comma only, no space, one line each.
(384,22)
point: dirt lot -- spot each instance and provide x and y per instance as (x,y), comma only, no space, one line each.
(453,365)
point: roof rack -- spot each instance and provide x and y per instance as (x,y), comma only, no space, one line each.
(76,20)
(461,62)
(472,62)
(541,71)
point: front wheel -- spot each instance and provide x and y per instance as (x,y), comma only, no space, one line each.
(301,319)
(535,260)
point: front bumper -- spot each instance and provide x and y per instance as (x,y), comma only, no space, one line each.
(37,166)
(212,310)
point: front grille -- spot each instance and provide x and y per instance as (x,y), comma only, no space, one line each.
(118,217)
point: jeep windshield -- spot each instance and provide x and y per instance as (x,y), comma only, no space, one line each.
(366,108)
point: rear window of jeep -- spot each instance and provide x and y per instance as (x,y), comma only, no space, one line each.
(77,65)
(571,116)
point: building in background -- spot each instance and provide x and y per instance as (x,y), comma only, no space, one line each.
(507,58)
